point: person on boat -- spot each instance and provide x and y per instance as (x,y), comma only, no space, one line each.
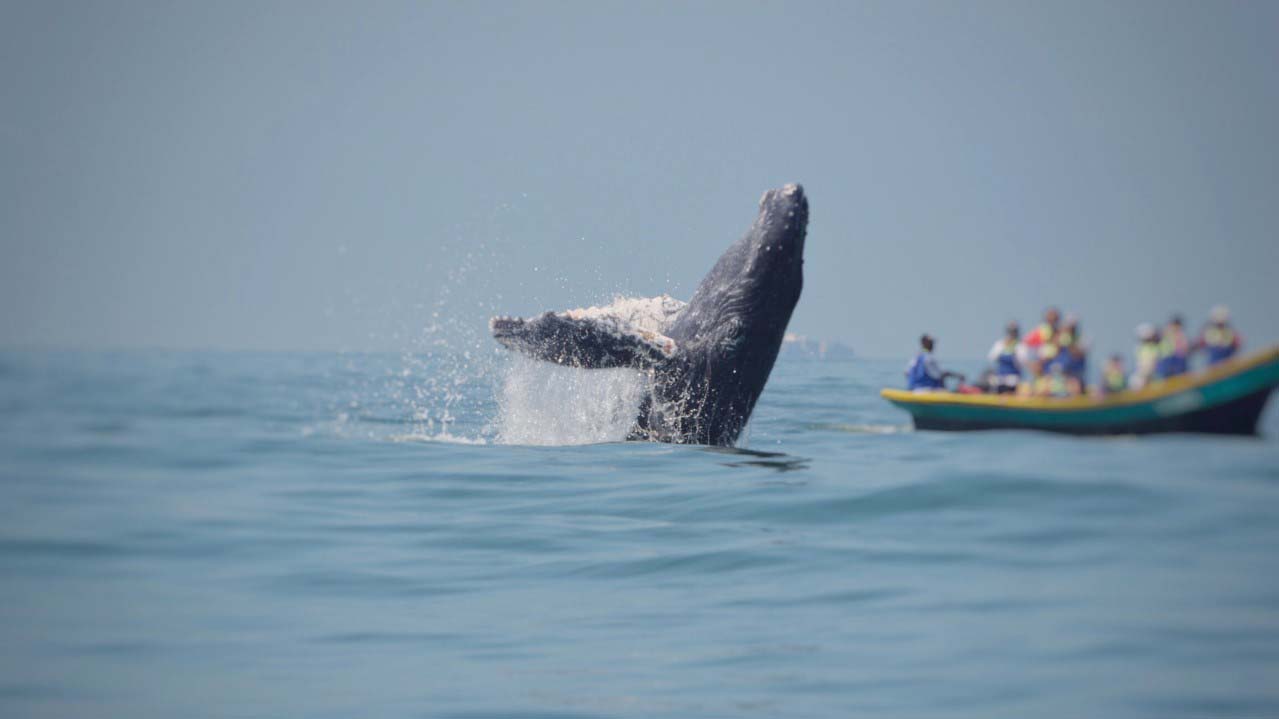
(1056,383)
(1113,378)
(1042,339)
(1174,349)
(923,374)
(1072,353)
(1033,383)
(1218,338)
(1147,356)
(1068,329)
(1007,357)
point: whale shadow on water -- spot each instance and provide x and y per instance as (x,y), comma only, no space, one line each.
(777,461)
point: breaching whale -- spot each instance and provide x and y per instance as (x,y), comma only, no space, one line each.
(706,361)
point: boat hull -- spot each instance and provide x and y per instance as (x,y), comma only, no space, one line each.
(1227,399)
(1238,417)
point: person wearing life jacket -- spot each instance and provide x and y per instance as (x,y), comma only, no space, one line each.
(923,374)
(1056,383)
(1113,379)
(1007,358)
(1033,383)
(1072,350)
(1042,340)
(1147,356)
(1174,349)
(1218,339)
(1068,331)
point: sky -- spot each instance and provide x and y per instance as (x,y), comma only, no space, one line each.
(379,176)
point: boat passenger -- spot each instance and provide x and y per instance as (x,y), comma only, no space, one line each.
(1072,354)
(1219,339)
(1042,339)
(1032,384)
(1174,349)
(1147,356)
(1007,357)
(1069,329)
(1113,379)
(923,374)
(1056,383)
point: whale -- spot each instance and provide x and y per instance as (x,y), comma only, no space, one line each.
(705,361)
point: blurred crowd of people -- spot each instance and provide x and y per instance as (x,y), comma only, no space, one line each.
(1052,359)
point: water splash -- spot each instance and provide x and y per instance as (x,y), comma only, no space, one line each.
(446,376)
(460,387)
(443,436)
(543,403)
(452,383)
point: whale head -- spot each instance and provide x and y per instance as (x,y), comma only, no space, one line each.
(748,296)
(776,246)
(729,334)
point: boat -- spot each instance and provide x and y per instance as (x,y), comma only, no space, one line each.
(1226,398)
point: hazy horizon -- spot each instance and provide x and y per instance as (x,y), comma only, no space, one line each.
(325,176)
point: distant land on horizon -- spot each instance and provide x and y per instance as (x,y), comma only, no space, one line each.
(796,346)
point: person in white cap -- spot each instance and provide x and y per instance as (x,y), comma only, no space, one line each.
(1147,355)
(1008,358)
(1218,338)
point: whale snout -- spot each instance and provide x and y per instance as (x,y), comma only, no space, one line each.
(782,221)
(792,193)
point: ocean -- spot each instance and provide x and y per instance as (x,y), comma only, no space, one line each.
(205,534)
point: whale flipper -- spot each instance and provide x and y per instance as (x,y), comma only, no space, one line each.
(630,332)
(583,341)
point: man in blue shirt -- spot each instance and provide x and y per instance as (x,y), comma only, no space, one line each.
(923,374)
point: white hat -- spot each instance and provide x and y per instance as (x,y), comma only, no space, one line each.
(1221,314)
(1145,331)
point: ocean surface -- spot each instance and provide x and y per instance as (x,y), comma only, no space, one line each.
(346,535)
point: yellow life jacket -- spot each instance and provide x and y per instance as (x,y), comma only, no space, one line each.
(1115,380)
(1216,336)
(1049,347)
(1173,343)
(1147,354)
(1051,385)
